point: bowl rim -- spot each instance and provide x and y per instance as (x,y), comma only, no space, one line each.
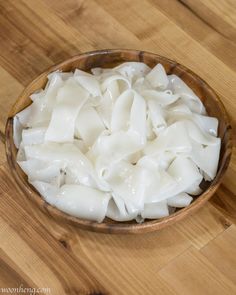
(116,227)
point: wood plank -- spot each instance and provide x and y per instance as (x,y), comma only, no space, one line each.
(10,88)
(134,259)
(200,27)
(164,40)
(199,276)
(222,252)
(35,45)
(225,198)
(11,276)
(216,9)
(106,26)
(43,254)
(203,226)
(128,257)
(39,251)
(2,150)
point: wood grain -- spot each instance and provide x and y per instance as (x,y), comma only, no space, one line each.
(36,250)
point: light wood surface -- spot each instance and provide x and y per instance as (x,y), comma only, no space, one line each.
(195,256)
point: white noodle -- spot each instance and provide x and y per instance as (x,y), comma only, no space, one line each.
(127,143)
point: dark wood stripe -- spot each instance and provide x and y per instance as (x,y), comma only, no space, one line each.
(204,20)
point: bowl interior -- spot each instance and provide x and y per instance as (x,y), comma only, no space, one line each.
(108,59)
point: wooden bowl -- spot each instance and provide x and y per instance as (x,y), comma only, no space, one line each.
(111,58)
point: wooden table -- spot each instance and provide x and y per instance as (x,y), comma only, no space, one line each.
(195,256)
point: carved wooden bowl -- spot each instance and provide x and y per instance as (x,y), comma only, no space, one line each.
(111,58)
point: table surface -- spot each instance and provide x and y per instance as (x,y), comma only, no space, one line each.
(194,256)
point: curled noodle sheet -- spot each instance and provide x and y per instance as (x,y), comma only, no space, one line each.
(174,138)
(43,103)
(157,77)
(42,171)
(71,199)
(114,212)
(33,135)
(133,70)
(186,174)
(88,125)
(88,82)
(127,182)
(200,153)
(129,112)
(199,135)
(68,156)
(178,86)
(163,98)
(116,146)
(179,201)
(107,102)
(157,116)
(70,99)
(155,210)
(122,81)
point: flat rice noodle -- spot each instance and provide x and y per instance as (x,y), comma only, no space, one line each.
(39,170)
(159,161)
(179,201)
(116,146)
(129,112)
(141,85)
(64,76)
(42,106)
(178,86)
(127,182)
(186,174)
(24,116)
(33,135)
(155,210)
(39,94)
(159,186)
(157,77)
(149,128)
(68,156)
(206,158)
(107,102)
(47,190)
(83,202)
(174,138)
(133,70)
(88,82)
(207,124)
(199,135)
(163,98)
(88,125)
(157,116)
(79,143)
(76,200)
(115,213)
(123,82)
(178,107)
(70,99)
(17,131)
(96,71)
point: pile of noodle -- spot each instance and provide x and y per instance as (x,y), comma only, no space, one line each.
(127,143)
